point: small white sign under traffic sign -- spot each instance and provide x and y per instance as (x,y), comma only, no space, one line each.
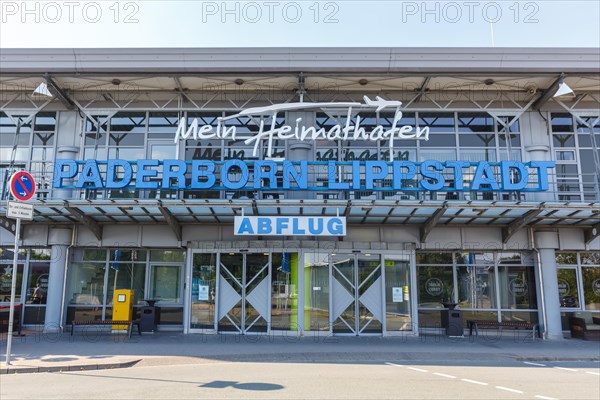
(16,210)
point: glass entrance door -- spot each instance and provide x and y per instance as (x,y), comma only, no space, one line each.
(356,294)
(244,292)
(204,292)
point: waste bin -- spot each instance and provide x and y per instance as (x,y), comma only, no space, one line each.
(452,320)
(148,317)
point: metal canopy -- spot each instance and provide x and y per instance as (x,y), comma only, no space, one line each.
(508,215)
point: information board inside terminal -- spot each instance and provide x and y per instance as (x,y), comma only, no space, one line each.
(430,175)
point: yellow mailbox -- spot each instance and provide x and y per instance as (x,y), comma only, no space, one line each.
(122,307)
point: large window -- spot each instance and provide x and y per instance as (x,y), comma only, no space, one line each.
(34,138)
(95,274)
(127,271)
(575,144)
(486,285)
(578,276)
(470,136)
(32,281)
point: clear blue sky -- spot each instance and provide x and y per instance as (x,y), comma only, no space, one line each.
(277,23)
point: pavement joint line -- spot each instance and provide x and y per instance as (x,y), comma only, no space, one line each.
(509,389)
(532,363)
(417,369)
(566,369)
(537,396)
(475,382)
(593,373)
(444,375)
(395,365)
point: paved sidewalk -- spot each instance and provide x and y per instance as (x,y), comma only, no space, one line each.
(36,352)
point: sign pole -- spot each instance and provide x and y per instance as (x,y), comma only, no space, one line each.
(13,292)
(22,187)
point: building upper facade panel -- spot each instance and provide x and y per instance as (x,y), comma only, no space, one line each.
(482,119)
(383,59)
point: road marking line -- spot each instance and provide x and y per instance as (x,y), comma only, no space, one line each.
(566,369)
(395,365)
(444,375)
(537,396)
(509,389)
(417,369)
(475,382)
(592,373)
(532,363)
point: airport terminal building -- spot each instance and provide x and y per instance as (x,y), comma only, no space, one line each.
(305,191)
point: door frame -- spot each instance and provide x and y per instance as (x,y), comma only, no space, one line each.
(187,309)
(243,329)
(409,253)
(356,331)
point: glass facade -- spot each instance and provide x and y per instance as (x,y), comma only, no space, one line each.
(578,276)
(493,285)
(498,286)
(469,136)
(576,144)
(95,274)
(28,142)
(32,281)
(466,135)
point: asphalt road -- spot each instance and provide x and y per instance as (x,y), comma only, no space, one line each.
(351,380)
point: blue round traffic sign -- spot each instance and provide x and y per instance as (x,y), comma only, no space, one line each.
(22,185)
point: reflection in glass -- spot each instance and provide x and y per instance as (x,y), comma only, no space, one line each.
(435,285)
(434,258)
(562,122)
(566,258)
(86,283)
(6,273)
(591,287)
(204,291)
(165,283)
(129,276)
(167,255)
(316,292)
(567,287)
(476,286)
(520,316)
(397,294)
(517,287)
(37,283)
(284,291)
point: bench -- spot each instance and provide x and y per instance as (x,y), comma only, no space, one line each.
(477,324)
(103,322)
(581,330)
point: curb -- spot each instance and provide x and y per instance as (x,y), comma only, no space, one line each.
(558,359)
(67,368)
